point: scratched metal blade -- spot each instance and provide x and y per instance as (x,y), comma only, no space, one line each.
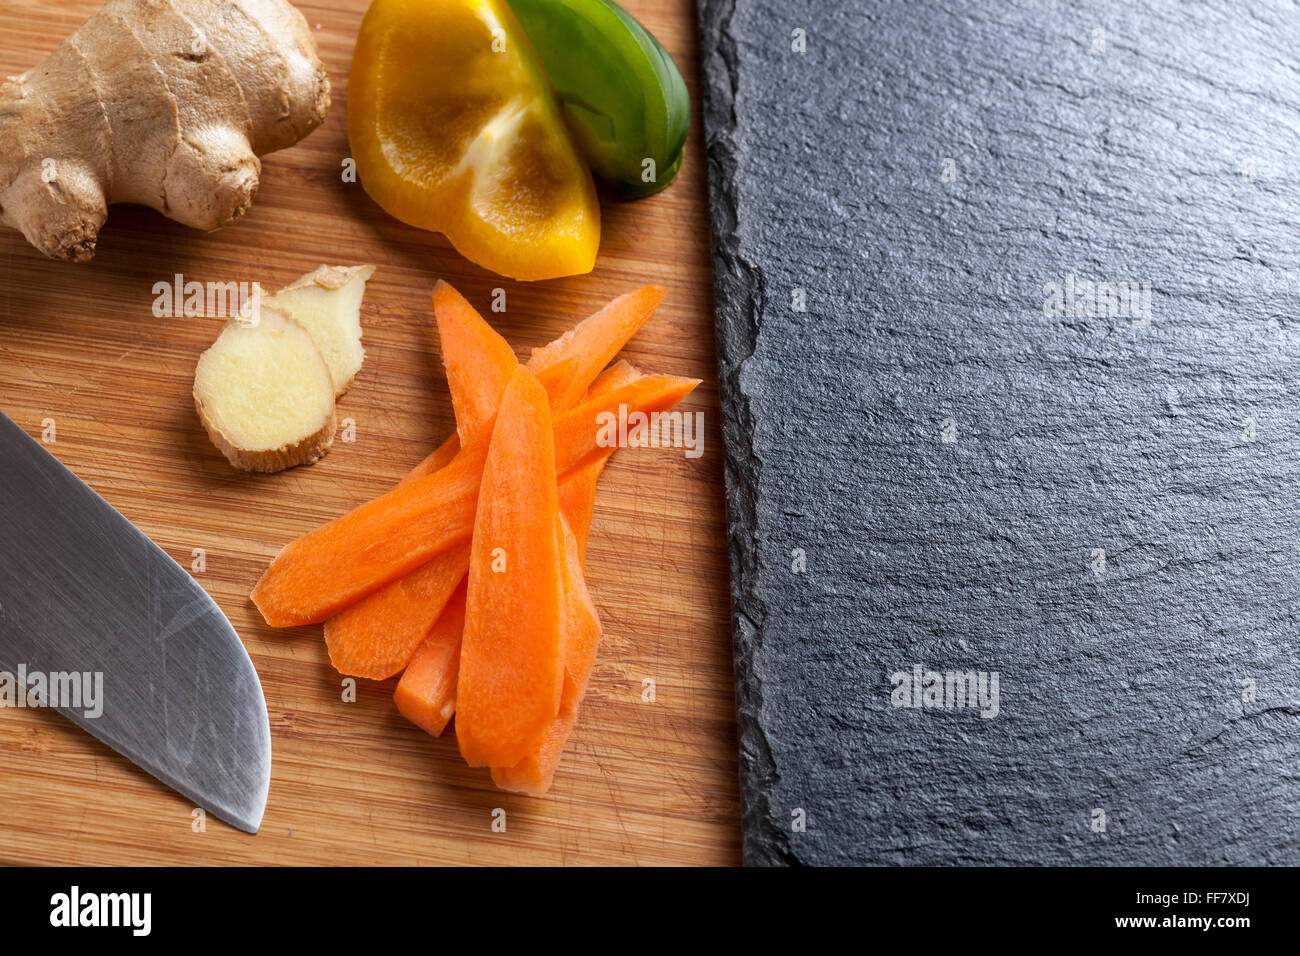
(82,590)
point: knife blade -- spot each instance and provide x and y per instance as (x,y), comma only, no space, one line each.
(84,592)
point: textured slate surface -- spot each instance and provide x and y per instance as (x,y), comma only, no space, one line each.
(1160,150)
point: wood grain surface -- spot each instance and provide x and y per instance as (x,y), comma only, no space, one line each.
(353,783)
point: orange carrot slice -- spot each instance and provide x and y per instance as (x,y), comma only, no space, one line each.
(376,637)
(593,343)
(426,694)
(447,450)
(512,650)
(617,375)
(581,625)
(566,366)
(430,691)
(534,773)
(337,565)
(586,433)
(479,362)
(326,570)
(578,488)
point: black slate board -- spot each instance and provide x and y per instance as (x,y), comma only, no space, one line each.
(1147,142)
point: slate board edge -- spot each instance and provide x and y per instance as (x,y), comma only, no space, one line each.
(740,295)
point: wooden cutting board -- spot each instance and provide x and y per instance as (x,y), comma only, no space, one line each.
(649,781)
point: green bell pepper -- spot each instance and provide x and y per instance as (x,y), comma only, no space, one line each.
(622,95)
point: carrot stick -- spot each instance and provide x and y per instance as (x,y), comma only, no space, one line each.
(578,488)
(430,691)
(593,342)
(582,625)
(376,637)
(326,570)
(512,651)
(565,366)
(479,362)
(437,460)
(535,771)
(587,433)
(534,774)
(426,694)
(447,450)
(333,567)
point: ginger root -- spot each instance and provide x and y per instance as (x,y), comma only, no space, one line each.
(165,103)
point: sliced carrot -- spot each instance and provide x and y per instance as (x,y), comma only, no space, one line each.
(376,637)
(534,773)
(581,622)
(578,503)
(426,694)
(578,488)
(566,366)
(588,432)
(617,375)
(447,450)
(479,362)
(593,343)
(512,650)
(335,566)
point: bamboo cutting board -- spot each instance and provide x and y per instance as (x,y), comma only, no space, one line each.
(650,773)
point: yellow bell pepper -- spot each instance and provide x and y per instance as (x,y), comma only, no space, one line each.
(454,129)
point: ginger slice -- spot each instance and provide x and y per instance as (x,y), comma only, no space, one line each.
(265,394)
(327,303)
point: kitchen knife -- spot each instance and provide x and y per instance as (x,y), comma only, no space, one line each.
(82,591)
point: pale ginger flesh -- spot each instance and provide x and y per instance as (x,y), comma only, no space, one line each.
(327,303)
(265,394)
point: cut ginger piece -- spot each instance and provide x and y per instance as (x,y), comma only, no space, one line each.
(511,674)
(426,694)
(265,394)
(327,303)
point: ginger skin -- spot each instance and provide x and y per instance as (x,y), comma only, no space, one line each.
(165,103)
